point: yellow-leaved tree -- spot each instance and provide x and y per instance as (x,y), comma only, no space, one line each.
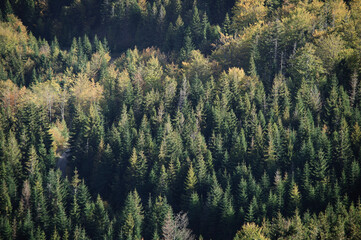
(11,96)
(86,91)
(250,231)
(248,12)
(46,94)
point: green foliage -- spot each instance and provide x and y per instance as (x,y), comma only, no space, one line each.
(250,115)
(132,217)
(250,231)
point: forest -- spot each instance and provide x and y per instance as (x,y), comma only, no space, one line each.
(192,119)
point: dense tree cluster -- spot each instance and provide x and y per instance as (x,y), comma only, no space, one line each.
(170,24)
(248,128)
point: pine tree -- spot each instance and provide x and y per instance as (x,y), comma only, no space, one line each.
(205,27)
(179,33)
(137,168)
(356,139)
(227,212)
(132,217)
(196,25)
(158,211)
(87,47)
(32,163)
(39,202)
(5,201)
(194,212)
(83,196)
(295,199)
(280,190)
(13,155)
(226,25)
(242,193)
(26,228)
(188,45)
(191,181)
(319,166)
(332,108)
(75,211)
(342,146)
(214,198)
(8,8)
(252,211)
(101,222)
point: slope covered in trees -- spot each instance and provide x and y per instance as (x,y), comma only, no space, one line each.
(242,121)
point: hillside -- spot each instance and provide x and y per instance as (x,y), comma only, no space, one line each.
(177,119)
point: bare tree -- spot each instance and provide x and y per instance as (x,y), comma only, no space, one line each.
(183,93)
(354,83)
(177,228)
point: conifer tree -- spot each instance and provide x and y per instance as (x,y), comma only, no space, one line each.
(5,202)
(32,163)
(295,199)
(213,205)
(191,180)
(319,166)
(227,212)
(13,155)
(226,25)
(101,221)
(252,211)
(132,217)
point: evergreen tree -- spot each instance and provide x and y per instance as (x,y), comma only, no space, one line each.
(191,181)
(132,217)
(226,25)
(5,202)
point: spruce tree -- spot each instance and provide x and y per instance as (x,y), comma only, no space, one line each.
(191,180)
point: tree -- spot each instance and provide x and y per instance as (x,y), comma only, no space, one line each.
(191,180)
(8,9)
(247,12)
(87,46)
(356,139)
(213,201)
(188,45)
(137,168)
(343,152)
(252,211)
(32,163)
(330,50)
(250,231)
(306,64)
(295,199)
(5,228)
(86,91)
(41,216)
(196,25)
(132,217)
(228,213)
(153,73)
(101,221)
(226,25)
(5,202)
(319,166)
(46,95)
(13,155)
(156,216)
(176,228)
